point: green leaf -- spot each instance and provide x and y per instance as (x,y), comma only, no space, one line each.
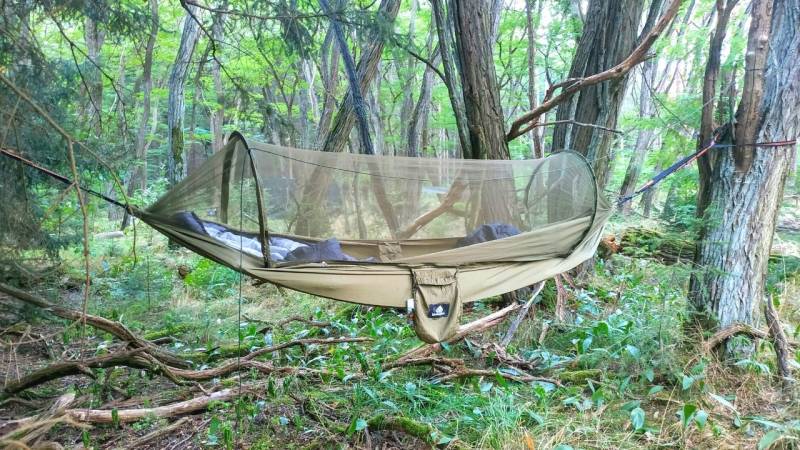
(687,382)
(601,329)
(655,390)
(633,350)
(361,424)
(637,418)
(700,418)
(687,413)
(768,439)
(649,375)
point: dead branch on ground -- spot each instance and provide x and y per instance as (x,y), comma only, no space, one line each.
(110,326)
(779,341)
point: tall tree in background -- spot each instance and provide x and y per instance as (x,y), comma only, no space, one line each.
(609,35)
(95,37)
(176,103)
(138,177)
(745,185)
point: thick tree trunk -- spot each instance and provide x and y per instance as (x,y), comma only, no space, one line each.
(176,102)
(746,183)
(609,36)
(456,102)
(484,112)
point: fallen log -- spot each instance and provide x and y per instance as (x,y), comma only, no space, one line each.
(110,326)
(671,248)
(67,368)
(171,410)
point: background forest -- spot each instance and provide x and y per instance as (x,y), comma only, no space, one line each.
(682,332)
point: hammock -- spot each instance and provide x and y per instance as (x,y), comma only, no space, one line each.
(428,234)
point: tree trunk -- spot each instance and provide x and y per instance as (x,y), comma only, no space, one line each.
(94,38)
(745,186)
(609,36)
(329,74)
(456,102)
(707,125)
(311,220)
(533,24)
(176,102)
(217,118)
(643,139)
(366,69)
(138,178)
(484,112)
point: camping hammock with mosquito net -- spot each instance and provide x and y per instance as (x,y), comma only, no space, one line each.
(428,234)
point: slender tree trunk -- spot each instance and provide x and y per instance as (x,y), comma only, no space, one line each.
(533,24)
(217,118)
(138,178)
(707,125)
(311,220)
(643,139)
(456,101)
(176,102)
(609,36)
(745,186)
(329,73)
(94,38)
(366,70)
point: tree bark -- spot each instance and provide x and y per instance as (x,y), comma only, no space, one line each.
(176,101)
(609,36)
(745,186)
(484,112)
(456,101)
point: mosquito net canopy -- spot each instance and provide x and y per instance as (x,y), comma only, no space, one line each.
(424,233)
(290,206)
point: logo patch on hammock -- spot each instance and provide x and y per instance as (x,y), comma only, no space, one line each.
(438,310)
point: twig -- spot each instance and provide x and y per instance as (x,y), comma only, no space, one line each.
(138,443)
(573,122)
(521,315)
(738,328)
(779,341)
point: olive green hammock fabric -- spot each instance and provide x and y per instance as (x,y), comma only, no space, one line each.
(389,231)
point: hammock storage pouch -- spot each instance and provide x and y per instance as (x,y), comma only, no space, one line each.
(437,303)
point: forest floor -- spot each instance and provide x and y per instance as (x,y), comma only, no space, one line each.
(623,372)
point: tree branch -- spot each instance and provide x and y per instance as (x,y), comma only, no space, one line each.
(570,87)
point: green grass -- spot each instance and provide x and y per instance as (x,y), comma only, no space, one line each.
(631,378)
